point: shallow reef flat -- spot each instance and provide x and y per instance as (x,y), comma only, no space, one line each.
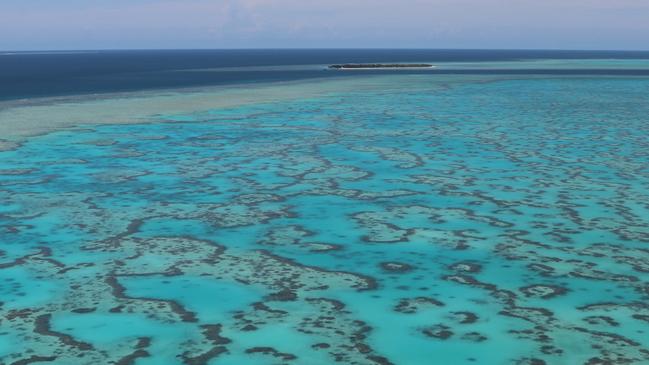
(30,117)
(421,220)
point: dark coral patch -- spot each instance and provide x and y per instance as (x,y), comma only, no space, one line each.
(466,266)
(438,331)
(140,352)
(465,317)
(414,305)
(474,337)
(15,172)
(271,352)
(396,267)
(543,291)
(321,346)
(641,317)
(284,295)
(530,361)
(602,320)
(34,359)
(42,327)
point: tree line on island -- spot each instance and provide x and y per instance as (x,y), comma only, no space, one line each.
(380,65)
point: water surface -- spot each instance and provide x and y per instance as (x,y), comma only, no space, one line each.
(414,219)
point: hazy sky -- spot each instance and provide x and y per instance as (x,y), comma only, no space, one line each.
(107,24)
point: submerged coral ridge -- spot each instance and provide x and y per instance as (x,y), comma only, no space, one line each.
(468,224)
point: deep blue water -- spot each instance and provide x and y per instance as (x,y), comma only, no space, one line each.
(40,74)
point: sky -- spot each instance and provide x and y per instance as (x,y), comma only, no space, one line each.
(483,24)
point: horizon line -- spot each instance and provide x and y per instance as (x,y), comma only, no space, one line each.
(326,49)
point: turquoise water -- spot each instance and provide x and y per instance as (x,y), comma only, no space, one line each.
(471,222)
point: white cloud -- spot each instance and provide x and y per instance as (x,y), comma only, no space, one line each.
(285,23)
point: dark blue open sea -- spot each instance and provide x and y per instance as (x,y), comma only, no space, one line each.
(253,207)
(38,74)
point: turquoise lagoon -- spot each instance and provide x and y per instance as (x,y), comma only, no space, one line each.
(419,219)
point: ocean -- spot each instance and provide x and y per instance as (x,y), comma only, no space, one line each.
(254,207)
(43,74)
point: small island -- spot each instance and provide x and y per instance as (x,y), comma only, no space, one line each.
(367,66)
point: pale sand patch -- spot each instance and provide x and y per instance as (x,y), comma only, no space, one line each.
(22,119)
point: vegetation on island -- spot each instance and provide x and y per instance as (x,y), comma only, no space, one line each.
(380,65)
